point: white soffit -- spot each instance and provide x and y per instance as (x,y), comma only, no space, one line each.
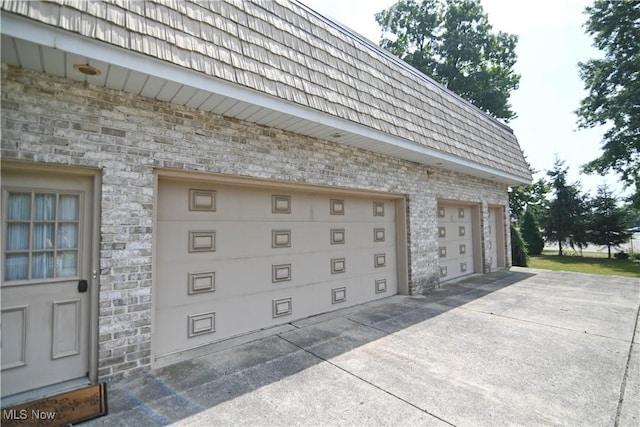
(39,47)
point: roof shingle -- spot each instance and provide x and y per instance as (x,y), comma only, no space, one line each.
(286,50)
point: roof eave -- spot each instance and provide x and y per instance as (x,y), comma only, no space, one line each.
(366,137)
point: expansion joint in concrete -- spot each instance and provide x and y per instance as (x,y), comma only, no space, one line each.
(623,385)
(366,381)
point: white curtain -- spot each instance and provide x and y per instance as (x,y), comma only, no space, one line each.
(67,264)
(45,206)
(44,242)
(43,236)
(67,261)
(18,209)
(16,267)
(17,237)
(68,206)
(41,265)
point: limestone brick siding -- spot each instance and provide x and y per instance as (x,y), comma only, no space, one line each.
(58,121)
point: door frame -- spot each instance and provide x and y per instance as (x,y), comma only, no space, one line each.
(95,174)
(501,234)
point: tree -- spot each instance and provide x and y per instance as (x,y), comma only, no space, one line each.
(530,197)
(607,225)
(631,214)
(613,83)
(531,234)
(452,41)
(566,217)
(519,254)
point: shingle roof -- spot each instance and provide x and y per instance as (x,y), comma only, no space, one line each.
(284,49)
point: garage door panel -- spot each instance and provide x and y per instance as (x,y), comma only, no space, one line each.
(327,236)
(230,203)
(217,280)
(451,253)
(203,201)
(179,324)
(255,239)
(454,214)
(265,275)
(230,316)
(236,259)
(173,203)
(455,231)
(456,268)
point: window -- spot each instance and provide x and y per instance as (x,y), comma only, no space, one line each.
(42,235)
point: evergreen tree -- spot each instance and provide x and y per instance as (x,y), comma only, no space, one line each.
(531,234)
(531,197)
(565,222)
(519,254)
(607,225)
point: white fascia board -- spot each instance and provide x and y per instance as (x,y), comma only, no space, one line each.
(56,38)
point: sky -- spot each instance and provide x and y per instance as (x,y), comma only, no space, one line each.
(551,43)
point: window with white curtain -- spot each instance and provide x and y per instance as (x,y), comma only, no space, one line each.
(42,235)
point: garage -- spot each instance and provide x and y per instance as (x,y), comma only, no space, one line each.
(237,256)
(247,153)
(457,241)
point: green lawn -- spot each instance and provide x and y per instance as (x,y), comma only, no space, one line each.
(589,262)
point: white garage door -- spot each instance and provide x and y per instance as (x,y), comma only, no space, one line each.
(232,259)
(455,237)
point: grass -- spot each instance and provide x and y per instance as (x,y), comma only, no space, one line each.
(589,262)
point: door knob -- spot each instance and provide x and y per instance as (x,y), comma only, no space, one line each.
(83,285)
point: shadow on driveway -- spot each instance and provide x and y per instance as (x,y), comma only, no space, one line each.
(168,394)
(460,355)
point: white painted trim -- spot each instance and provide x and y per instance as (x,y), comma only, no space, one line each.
(36,32)
(154,268)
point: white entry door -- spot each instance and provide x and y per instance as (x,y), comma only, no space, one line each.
(46,246)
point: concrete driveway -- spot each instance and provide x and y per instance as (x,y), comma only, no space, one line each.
(525,347)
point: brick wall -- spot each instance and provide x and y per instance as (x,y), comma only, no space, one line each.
(57,121)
